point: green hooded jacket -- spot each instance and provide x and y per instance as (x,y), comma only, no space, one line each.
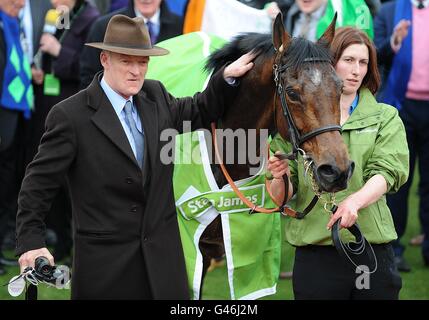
(376,141)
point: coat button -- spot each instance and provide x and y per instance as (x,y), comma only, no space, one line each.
(133,208)
(128,180)
(145,239)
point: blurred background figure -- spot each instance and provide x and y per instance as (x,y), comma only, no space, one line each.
(417,240)
(107,6)
(237,16)
(31,18)
(56,77)
(310,18)
(117,4)
(272,7)
(402,42)
(16,103)
(161,24)
(177,7)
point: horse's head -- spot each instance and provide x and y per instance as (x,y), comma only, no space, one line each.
(308,93)
(310,89)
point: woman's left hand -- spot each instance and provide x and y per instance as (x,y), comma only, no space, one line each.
(50,44)
(347,211)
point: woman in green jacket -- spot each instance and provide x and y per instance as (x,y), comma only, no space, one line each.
(376,141)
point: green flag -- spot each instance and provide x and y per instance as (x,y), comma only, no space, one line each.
(350,13)
(182,71)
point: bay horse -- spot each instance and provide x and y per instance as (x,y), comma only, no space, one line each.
(309,91)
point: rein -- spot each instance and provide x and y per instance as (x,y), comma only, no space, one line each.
(247,202)
(283,208)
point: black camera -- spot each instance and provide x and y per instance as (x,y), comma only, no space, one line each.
(54,275)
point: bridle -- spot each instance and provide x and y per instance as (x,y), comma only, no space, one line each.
(296,138)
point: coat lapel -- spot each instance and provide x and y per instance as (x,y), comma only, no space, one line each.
(106,119)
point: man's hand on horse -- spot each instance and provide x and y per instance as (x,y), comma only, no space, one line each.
(347,211)
(278,168)
(240,66)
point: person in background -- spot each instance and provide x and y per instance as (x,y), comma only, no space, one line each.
(103,6)
(31,18)
(177,7)
(375,136)
(160,20)
(402,42)
(16,103)
(117,5)
(107,6)
(310,18)
(272,7)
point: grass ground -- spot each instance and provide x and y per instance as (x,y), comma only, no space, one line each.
(415,283)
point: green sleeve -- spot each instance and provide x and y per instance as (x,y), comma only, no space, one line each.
(390,157)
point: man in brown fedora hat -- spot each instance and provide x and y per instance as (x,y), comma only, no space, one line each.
(163,23)
(106,141)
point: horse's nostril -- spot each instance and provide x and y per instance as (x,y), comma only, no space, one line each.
(328,172)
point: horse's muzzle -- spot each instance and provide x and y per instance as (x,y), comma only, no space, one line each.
(331,178)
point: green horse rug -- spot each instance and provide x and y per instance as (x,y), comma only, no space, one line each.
(252,241)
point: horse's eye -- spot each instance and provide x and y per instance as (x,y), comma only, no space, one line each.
(292,94)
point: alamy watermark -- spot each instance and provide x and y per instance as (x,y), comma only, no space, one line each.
(238,146)
(363,17)
(362,281)
(63,19)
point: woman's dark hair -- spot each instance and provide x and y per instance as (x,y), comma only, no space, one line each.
(346,36)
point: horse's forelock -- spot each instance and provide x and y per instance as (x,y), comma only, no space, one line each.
(301,49)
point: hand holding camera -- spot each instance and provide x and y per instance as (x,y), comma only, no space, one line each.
(42,272)
(27,259)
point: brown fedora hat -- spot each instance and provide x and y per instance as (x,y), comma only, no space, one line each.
(128,36)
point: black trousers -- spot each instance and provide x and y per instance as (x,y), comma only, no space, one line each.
(320,273)
(415,115)
(12,168)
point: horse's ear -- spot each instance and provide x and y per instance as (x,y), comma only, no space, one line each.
(281,38)
(328,36)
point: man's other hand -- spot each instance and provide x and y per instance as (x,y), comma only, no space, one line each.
(27,259)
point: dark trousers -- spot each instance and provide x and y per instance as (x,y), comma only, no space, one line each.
(11,173)
(415,115)
(320,273)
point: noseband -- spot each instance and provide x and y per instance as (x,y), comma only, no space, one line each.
(296,138)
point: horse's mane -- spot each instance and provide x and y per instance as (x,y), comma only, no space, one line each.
(297,51)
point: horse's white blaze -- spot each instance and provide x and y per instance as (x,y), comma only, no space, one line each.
(316,77)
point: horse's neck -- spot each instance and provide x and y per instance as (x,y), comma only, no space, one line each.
(252,109)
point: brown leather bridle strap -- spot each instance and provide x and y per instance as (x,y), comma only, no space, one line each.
(247,202)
